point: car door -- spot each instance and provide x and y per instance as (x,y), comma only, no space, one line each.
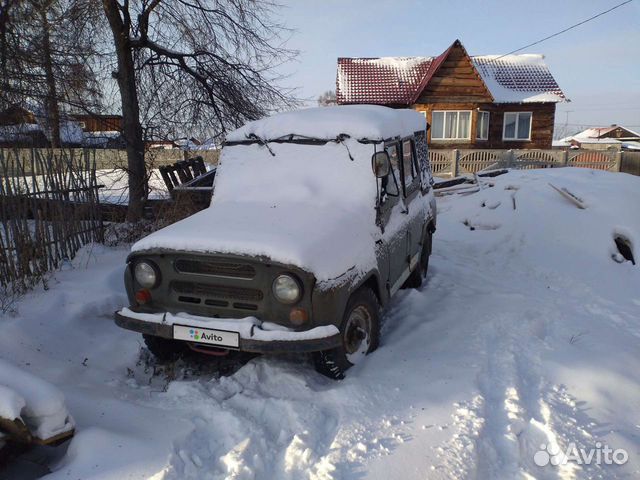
(390,208)
(411,182)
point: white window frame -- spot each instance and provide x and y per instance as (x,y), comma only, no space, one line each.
(481,113)
(444,112)
(504,127)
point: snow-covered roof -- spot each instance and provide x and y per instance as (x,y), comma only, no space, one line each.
(400,80)
(385,80)
(70,132)
(624,144)
(518,78)
(598,132)
(369,122)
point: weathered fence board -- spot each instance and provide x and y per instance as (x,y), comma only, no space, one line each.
(49,208)
(630,163)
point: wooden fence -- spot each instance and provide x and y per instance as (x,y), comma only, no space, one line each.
(630,163)
(447,163)
(49,208)
(109,159)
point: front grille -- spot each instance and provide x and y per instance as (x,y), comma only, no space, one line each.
(215,268)
(218,291)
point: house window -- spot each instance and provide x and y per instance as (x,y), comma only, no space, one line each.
(517,126)
(450,125)
(482,127)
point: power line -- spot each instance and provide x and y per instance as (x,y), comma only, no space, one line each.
(591,125)
(601,109)
(563,31)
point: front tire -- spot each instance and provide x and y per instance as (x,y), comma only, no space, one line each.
(360,332)
(164,349)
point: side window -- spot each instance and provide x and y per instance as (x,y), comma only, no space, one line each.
(422,160)
(409,170)
(391,183)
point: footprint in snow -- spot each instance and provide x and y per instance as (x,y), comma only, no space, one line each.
(481,226)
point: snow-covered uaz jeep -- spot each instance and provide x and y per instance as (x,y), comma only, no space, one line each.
(317,218)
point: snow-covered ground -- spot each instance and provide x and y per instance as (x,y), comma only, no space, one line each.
(115,188)
(527,333)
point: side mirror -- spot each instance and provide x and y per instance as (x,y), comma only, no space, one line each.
(381,164)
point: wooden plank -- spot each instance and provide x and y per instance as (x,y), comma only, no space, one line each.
(457,82)
(577,201)
(458,71)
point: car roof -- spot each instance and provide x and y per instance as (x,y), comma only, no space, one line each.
(361,122)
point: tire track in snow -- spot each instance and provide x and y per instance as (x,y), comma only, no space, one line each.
(273,419)
(521,412)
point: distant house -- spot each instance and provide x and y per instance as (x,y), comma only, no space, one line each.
(160,145)
(98,123)
(21,127)
(489,101)
(601,138)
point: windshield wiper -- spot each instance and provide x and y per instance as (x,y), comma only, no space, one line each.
(261,141)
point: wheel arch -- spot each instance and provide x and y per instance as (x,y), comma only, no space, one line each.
(372,281)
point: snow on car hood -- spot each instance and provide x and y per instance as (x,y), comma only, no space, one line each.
(307,205)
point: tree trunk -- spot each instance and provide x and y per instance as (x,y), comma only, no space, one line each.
(52,107)
(131,128)
(4,76)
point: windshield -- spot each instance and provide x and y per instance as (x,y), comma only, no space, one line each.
(304,175)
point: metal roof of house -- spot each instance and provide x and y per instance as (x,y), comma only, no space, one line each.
(595,135)
(518,78)
(400,80)
(597,132)
(384,80)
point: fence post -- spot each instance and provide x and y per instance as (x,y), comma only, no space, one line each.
(510,158)
(455,167)
(565,158)
(618,157)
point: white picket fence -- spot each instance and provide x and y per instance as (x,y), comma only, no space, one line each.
(451,163)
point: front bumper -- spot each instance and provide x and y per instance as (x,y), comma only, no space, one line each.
(254,335)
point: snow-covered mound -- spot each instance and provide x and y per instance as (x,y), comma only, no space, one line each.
(524,340)
(553,233)
(37,403)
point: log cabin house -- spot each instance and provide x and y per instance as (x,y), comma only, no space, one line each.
(489,101)
(92,122)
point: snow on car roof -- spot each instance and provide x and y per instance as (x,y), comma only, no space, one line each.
(362,122)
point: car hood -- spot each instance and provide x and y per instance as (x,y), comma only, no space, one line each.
(325,240)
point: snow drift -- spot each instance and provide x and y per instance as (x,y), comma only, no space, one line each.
(526,333)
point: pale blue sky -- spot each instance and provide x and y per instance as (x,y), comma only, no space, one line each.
(597,64)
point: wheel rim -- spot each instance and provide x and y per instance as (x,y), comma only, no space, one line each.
(357,334)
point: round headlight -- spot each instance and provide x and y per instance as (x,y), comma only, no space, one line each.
(286,289)
(146,274)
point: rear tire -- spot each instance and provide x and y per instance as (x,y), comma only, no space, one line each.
(360,333)
(164,349)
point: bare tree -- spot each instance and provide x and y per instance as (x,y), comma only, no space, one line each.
(46,51)
(327,99)
(182,63)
